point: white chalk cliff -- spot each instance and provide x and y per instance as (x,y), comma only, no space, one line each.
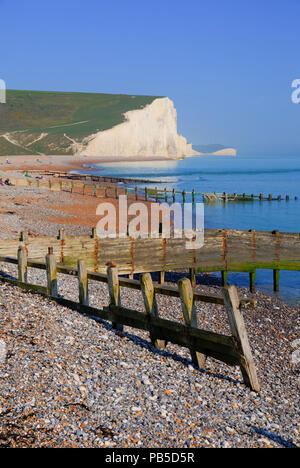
(147,132)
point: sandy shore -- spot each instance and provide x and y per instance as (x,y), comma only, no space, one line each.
(60,163)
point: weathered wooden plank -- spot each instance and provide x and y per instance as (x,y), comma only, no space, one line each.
(218,346)
(239,332)
(83,283)
(189,315)
(151,307)
(114,292)
(26,286)
(51,274)
(22,264)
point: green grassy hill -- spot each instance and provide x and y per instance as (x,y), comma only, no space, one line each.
(37,122)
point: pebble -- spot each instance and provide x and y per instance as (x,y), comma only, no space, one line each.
(70,381)
(3,352)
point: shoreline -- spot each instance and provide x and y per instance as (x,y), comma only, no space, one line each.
(63,162)
(74,212)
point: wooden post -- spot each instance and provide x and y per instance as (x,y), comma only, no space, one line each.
(61,234)
(276,278)
(83,283)
(189,315)
(146,194)
(183,196)
(94,233)
(224,275)
(279,198)
(261,197)
(193,196)
(174,195)
(287,198)
(24,236)
(161,277)
(51,273)
(136,193)
(114,292)
(192,276)
(166,195)
(156,194)
(238,329)
(252,277)
(22,264)
(116,192)
(150,302)
(270,197)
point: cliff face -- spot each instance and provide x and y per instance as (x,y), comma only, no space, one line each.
(151,131)
(96,125)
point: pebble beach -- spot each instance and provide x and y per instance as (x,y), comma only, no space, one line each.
(69,380)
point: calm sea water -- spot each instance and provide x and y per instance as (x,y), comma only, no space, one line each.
(268,175)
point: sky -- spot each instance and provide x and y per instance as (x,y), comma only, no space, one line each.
(228,65)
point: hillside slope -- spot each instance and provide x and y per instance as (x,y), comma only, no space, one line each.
(35,122)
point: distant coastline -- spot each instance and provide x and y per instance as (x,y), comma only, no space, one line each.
(215,150)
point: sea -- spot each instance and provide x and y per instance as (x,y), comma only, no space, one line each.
(276,175)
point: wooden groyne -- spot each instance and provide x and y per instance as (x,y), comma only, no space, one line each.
(182,196)
(233,350)
(223,251)
(90,177)
(107,187)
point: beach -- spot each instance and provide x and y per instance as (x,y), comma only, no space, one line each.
(63,163)
(68,380)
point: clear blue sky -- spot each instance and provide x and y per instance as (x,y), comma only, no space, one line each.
(227,64)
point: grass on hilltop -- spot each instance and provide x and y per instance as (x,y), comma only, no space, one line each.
(55,113)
